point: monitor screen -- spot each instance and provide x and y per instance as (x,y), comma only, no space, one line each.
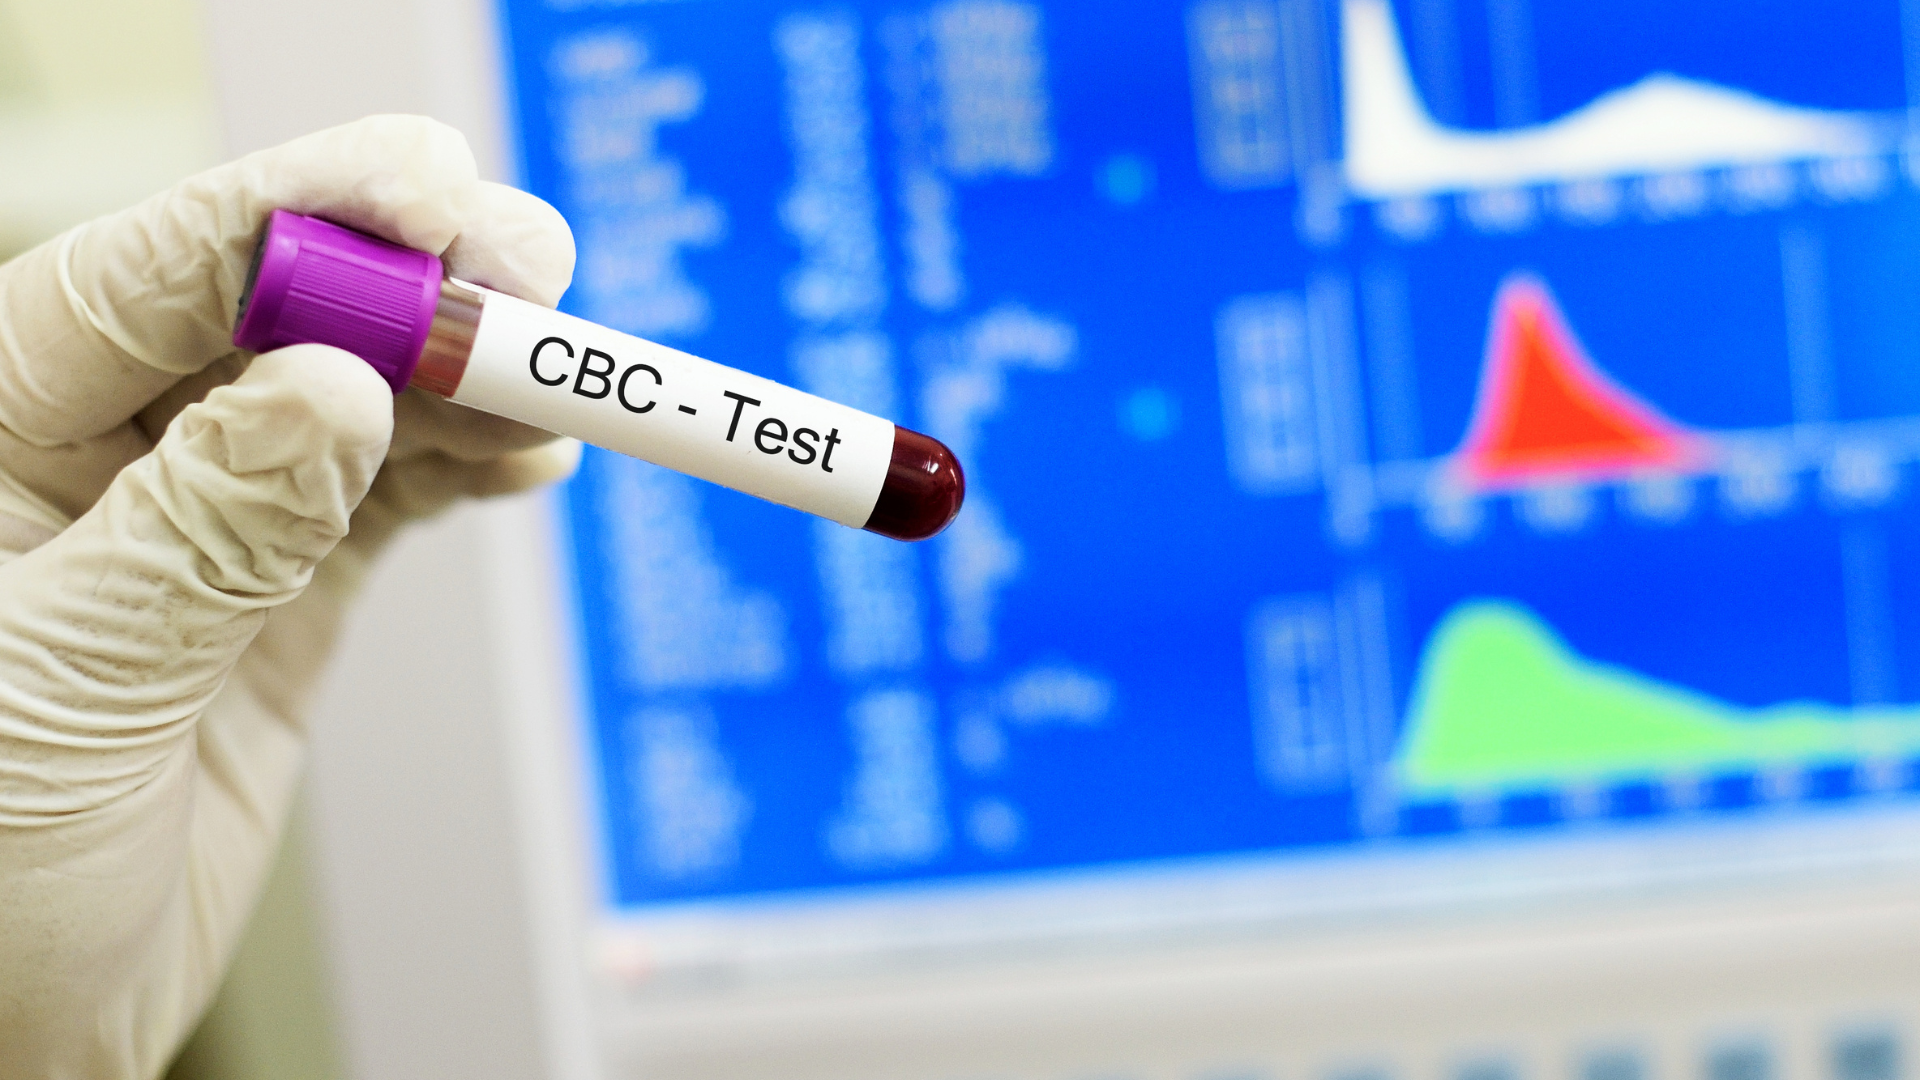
(1392,428)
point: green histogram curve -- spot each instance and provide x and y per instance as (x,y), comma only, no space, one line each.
(1501,702)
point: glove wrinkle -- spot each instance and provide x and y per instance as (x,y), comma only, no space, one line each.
(124,628)
(250,480)
(42,315)
(153,420)
(63,265)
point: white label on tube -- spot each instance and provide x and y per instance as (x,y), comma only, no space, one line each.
(639,398)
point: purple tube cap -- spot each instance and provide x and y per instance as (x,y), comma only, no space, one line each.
(315,282)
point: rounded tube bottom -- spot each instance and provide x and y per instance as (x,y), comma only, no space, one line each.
(923,490)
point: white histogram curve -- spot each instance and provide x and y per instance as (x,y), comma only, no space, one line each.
(1663,123)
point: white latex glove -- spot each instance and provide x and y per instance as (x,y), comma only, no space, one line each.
(181,526)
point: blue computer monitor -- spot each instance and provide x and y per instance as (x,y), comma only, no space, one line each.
(1391,427)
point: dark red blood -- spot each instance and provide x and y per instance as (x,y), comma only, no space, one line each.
(923,490)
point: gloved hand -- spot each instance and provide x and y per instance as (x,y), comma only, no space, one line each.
(181,528)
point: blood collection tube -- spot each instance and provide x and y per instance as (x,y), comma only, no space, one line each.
(313,281)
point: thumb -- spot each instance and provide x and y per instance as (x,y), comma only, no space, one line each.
(115,638)
(115,635)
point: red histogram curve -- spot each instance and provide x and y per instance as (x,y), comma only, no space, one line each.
(1546,412)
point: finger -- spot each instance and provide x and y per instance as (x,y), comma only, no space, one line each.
(426,423)
(514,243)
(421,487)
(509,241)
(422,422)
(98,322)
(523,470)
(115,635)
(115,639)
(152,420)
(424,486)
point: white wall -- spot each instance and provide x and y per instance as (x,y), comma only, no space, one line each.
(102,103)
